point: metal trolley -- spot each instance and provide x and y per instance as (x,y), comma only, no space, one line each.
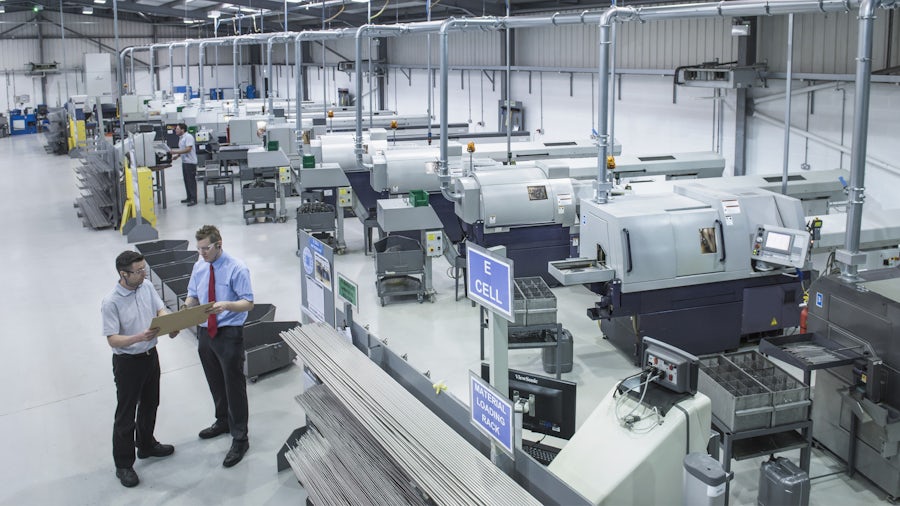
(400,268)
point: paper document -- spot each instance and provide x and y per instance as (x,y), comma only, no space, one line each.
(181,319)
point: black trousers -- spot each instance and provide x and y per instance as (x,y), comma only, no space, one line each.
(222,359)
(137,391)
(189,172)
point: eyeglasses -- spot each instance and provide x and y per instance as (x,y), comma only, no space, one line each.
(142,271)
(204,249)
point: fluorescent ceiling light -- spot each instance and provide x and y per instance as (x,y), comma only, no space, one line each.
(87,10)
(360,1)
(214,14)
(2,9)
(188,21)
(100,2)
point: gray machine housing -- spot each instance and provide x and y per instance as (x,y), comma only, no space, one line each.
(693,236)
(678,267)
(508,198)
(856,413)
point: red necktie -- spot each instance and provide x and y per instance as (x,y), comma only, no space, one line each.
(212,326)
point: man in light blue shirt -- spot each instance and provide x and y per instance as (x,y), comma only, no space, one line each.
(127,313)
(220,278)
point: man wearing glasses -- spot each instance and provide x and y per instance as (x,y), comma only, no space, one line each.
(127,313)
(220,278)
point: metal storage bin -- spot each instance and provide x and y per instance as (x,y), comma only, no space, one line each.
(316,217)
(750,392)
(738,400)
(397,254)
(790,397)
(540,303)
(149,248)
(533,302)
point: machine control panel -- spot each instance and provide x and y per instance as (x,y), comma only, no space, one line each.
(434,243)
(344,196)
(780,246)
(674,368)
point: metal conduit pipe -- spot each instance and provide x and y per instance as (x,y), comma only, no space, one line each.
(789,82)
(487,24)
(849,265)
(153,85)
(446,26)
(269,43)
(121,71)
(369,31)
(298,63)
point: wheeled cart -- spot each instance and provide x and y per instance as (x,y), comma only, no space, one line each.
(399,268)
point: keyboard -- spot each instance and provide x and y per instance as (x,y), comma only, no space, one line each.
(539,452)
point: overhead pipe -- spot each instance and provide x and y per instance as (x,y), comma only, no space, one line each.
(367,30)
(789,82)
(847,257)
(153,48)
(298,63)
(269,43)
(202,48)
(121,71)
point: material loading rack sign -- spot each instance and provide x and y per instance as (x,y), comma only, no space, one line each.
(491,412)
(490,279)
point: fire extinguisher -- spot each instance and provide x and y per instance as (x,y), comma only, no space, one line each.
(803,314)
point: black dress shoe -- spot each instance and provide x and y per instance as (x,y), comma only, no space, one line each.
(127,476)
(185,201)
(236,453)
(157,450)
(192,203)
(213,430)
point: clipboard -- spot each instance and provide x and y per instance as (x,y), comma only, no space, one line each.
(183,319)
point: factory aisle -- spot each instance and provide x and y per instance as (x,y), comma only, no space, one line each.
(57,407)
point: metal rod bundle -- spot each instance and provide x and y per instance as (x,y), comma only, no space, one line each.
(337,446)
(439,461)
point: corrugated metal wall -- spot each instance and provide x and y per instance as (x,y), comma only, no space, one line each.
(468,48)
(823,43)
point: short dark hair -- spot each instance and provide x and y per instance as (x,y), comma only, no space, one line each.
(126,258)
(183,127)
(208,232)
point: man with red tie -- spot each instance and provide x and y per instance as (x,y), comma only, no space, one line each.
(224,280)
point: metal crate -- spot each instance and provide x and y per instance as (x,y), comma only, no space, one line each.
(540,303)
(738,400)
(316,217)
(790,397)
(397,254)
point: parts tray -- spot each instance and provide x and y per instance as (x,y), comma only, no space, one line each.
(810,351)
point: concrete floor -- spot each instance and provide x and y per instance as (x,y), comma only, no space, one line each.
(57,407)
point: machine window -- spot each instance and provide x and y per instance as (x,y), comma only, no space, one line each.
(708,240)
(537,193)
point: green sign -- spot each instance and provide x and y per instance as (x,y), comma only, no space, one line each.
(347,290)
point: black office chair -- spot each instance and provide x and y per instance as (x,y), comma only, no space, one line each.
(216,174)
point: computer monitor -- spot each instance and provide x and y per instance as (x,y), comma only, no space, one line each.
(554,401)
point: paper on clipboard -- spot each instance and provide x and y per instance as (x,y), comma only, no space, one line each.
(181,319)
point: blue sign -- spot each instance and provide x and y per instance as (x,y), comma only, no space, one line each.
(819,299)
(316,245)
(490,279)
(491,412)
